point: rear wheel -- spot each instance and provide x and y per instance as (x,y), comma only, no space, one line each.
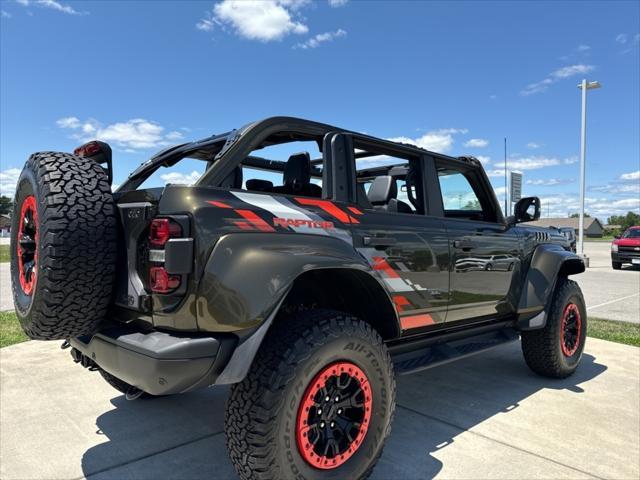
(63,245)
(317,403)
(616,265)
(555,350)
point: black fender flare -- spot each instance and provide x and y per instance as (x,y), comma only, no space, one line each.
(248,276)
(548,262)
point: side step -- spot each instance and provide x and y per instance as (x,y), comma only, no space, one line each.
(439,354)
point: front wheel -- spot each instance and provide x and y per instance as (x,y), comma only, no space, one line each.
(555,350)
(616,265)
(317,402)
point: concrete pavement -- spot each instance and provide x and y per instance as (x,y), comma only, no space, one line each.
(611,294)
(484,417)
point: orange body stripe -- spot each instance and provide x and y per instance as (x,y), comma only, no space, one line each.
(328,207)
(255,220)
(416,321)
(218,204)
(400,302)
(381,264)
(355,210)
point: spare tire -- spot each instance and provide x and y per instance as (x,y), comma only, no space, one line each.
(63,246)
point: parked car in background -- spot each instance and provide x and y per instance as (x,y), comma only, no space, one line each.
(625,248)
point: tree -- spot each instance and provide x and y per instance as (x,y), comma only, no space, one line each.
(625,221)
(6,205)
(577,215)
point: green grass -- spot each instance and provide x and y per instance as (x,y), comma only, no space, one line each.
(10,331)
(4,254)
(619,332)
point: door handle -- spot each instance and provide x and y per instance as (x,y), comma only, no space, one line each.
(379,241)
(465,245)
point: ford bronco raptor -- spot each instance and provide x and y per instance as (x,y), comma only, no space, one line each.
(307,265)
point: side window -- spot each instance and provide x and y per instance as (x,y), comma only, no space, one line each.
(290,168)
(459,198)
(388,183)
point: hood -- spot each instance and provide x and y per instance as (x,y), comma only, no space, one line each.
(627,242)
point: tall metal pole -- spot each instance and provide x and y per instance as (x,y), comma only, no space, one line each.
(583,147)
(506,211)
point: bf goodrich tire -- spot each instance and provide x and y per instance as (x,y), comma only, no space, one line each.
(555,350)
(63,246)
(317,402)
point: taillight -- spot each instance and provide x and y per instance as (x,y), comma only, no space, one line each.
(161,282)
(160,232)
(162,229)
(88,149)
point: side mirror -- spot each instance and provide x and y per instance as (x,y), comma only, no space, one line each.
(526,210)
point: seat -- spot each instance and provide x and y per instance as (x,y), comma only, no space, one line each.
(382,195)
(297,177)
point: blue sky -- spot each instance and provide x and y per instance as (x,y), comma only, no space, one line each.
(455,77)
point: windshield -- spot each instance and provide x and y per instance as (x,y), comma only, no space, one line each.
(632,233)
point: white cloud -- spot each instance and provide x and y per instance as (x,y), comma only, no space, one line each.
(476,143)
(550,182)
(630,176)
(583,48)
(338,3)
(531,163)
(618,188)
(315,41)
(436,140)
(556,75)
(262,20)
(6,14)
(533,145)
(134,134)
(8,181)
(622,38)
(181,178)
(53,5)
(484,160)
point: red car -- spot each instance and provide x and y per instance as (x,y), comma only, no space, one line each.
(626,248)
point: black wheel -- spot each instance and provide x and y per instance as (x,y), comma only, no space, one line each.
(555,350)
(488,267)
(616,265)
(129,391)
(63,244)
(317,402)
(510,267)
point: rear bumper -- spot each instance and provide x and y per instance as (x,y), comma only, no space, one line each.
(158,363)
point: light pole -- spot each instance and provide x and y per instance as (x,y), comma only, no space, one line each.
(584,85)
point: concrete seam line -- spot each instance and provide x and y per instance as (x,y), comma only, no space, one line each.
(613,301)
(458,427)
(144,457)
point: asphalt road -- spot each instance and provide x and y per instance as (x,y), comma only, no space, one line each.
(484,417)
(611,294)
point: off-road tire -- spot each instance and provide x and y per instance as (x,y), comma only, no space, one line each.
(262,410)
(75,248)
(542,348)
(122,386)
(616,265)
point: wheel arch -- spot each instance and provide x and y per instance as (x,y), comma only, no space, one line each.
(548,263)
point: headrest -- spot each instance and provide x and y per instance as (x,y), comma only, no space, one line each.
(259,185)
(382,190)
(234,179)
(298,169)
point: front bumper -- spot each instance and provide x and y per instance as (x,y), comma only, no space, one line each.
(625,256)
(159,363)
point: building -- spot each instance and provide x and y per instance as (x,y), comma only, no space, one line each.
(592,226)
(5,225)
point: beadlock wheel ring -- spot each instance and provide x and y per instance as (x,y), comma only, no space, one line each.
(570,330)
(27,251)
(334,415)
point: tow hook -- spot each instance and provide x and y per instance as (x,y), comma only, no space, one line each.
(65,345)
(83,360)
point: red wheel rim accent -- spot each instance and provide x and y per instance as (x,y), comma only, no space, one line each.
(571,330)
(27,251)
(327,439)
